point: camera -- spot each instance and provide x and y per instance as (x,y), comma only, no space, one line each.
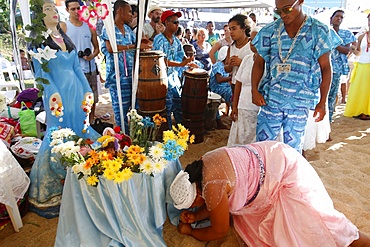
(86,52)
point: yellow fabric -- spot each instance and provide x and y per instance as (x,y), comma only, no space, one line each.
(358,101)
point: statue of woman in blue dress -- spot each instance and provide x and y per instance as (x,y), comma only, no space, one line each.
(67,101)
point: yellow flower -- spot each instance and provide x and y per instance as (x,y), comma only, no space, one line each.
(183,143)
(109,174)
(184,134)
(103,155)
(124,175)
(168,135)
(192,138)
(92,180)
(114,165)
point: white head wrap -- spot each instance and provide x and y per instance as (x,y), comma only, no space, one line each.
(183,192)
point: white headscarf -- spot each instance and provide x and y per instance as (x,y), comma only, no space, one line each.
(183,192)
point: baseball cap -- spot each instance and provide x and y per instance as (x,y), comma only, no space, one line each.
(154,7)
(169,13)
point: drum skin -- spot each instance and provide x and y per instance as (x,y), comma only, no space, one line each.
(152,83)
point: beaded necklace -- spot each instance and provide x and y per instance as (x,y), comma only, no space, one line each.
(293,43)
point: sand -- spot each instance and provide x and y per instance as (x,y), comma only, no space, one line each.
(343,165)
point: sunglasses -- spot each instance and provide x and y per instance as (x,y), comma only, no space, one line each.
(286,9)
(175,22)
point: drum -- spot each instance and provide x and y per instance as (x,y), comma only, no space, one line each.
(194,100)
(213,102)
(153,82)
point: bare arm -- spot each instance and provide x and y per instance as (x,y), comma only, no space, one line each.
(184,62)
(219,218)
(94,41)
(344,49)
(237,90)
(227,66)
(356,49)
(326,72)
(126,47)
(63,26)
(212,52)
(222,79)
(257,73)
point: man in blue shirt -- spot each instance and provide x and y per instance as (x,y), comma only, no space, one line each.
(126,45)
(175,57)
(339,59)
(295,51)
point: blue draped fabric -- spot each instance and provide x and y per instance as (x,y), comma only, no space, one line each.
(131,213)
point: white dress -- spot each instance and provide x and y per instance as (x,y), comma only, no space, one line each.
(316,132)
(243,130)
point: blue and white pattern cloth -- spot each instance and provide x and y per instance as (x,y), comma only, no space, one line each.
(301,85)
(223,89)
(126,61)
(290,95)
(173,52)
(128,39)
(339,60)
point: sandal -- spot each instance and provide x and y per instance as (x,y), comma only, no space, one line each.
(365,117)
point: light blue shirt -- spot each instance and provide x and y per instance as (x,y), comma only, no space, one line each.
(298,88)
(125,69)
(173,52)
(339,60)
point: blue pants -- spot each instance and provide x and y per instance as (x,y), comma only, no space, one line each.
(333,92)
(126,91)
(173,105)
(270,120)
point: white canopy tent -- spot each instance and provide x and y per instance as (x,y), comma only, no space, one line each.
(143,6)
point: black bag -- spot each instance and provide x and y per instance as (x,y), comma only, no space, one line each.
(99,125)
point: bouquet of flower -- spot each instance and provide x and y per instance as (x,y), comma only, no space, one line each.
(106,158)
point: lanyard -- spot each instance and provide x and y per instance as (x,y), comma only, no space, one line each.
(293,43)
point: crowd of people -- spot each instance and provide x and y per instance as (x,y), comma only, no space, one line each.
(270,77)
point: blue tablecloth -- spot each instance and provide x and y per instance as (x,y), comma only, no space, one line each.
(131,213)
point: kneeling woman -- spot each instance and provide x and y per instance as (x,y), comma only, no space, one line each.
(274,195)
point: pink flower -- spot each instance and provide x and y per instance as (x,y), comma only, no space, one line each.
(102,10)
(84,14)
(92,21)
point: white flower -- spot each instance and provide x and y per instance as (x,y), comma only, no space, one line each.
(159,166)
(53,159)
(35,55)
(46,34)
(147,167)
(156,152)
(49,53)
(55,142)
(77,168)
(140,124)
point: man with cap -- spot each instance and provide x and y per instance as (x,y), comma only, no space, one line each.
(154,27)
(175,57)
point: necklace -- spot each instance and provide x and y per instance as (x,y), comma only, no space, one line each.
(293,43)
(241,44)
(56,35)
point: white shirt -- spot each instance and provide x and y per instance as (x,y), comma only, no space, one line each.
(244,75)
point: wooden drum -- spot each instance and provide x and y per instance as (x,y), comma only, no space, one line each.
(194,100)
(153,82)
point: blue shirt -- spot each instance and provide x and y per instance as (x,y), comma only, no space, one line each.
(298,88)
(218,68)
(339,60)
(173,52)
(125,70)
